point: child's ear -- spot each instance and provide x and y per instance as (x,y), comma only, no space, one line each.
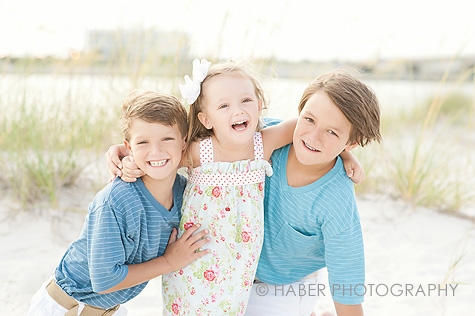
(351,146)
(260,103)
(204,120)
(184,144)
(127,145)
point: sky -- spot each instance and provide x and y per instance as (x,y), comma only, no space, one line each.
(290,30)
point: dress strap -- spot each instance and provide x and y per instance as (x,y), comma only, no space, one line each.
(206,151)
(258,146)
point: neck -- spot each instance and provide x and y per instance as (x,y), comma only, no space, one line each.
(229,153)
(162,190)
(299,175)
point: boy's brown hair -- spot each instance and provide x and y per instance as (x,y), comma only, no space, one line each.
(240,68)
(354,99)
(153,107)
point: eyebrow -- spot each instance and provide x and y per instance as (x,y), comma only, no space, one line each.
(330,127)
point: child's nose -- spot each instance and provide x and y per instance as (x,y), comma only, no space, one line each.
(317,134)
(156,148)
(238,110)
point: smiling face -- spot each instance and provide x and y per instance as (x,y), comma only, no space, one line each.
(231,108)
(322,131)
(157,148)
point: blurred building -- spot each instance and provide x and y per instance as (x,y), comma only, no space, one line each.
(136,44)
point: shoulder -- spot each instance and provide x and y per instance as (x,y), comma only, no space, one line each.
(179,185)
(277,158)
(338,199)
(117,194)
(194,153)
(267,121)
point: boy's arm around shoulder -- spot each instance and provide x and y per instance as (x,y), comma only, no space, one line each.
(277,136)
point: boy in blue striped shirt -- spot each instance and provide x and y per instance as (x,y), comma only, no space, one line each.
(129,235)
(311,216)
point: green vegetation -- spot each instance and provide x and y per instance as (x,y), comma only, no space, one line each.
(48,135)
(425,157)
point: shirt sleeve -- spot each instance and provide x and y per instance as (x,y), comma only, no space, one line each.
(106,251)
(344,256)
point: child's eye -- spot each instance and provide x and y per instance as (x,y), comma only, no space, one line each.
(247,100)
(142,142)
(168,138)
(310,120)
(222,106)
(333,133)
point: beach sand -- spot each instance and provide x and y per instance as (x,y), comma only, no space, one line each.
(403,246)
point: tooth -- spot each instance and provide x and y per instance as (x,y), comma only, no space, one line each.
(157,163)
(309,147)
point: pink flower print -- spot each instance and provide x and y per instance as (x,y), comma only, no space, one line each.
(180,272)
(245,236)
(209,275)
(222,238)
(261,186)
(241,192)
(200,192)
(193,292)
(246,283)
(175,308)
(238,256)
(216,191)
(205,207)
(227,209)
(188,225)
(189,278)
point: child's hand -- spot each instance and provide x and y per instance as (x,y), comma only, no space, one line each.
(130,171)
(113,157)
(181,252)
(353,168)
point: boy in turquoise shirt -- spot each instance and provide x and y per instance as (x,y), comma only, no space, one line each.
(311,216)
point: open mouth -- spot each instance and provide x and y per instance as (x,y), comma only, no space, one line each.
(311,148)
(240,126)
(157,163)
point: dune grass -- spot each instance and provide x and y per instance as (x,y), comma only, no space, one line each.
(45,145)
(426,157)
(42,146)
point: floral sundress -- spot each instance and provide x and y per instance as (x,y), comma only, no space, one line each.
(226,198)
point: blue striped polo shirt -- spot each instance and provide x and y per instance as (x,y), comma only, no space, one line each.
(125,225)
(311,227)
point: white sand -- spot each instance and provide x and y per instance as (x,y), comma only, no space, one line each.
(402,245)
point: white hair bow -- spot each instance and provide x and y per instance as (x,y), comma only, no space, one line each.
(192,88)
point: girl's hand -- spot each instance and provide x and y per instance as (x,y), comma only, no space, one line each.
(113,158)
(181,252)
(130,171)
(353,168)
(355,172)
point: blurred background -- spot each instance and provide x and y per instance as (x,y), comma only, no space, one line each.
(66,66)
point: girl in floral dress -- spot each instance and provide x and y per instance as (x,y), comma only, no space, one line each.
(225,190)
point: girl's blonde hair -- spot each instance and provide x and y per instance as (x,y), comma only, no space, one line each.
(241,68)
